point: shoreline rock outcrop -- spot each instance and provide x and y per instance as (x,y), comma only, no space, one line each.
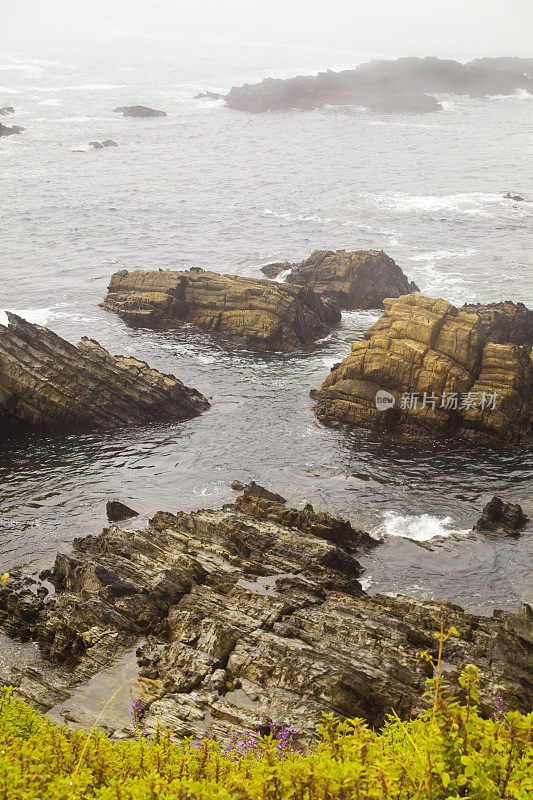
(399,86)
(360,279)
(428,369)
(48,382)
(139,111)
(499,516)
(261,314)
(250,614)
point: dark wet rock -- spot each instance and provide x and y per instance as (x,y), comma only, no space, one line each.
(252,613)
(9,130)
(358,279)
(6,110)
(139,111)
(261,314)
(423,347)
(516,197)
(48,382)
(386,86)
(255,490)
(505,322)
(208,96)
(117,511)
(104,144)
(500,516)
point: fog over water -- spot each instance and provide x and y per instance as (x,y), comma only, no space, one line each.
(211,187)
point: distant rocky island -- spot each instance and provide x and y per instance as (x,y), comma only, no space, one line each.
(406,85)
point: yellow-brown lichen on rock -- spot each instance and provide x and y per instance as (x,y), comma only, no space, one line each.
(358,279)
(443,376)
(262,314)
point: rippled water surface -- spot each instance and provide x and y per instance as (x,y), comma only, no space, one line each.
(210,187)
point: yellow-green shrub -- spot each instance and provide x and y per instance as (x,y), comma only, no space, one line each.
(448,753)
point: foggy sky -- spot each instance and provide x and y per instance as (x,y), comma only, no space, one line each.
(451,28)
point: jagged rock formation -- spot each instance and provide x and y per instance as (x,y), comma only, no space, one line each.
(440,376)
(388,86)
(9,130)
(500,516)
(259,313)
(358,279)
(139,111)
(523,66)
(46,381)
(253,613)
(505,322)
(117,511)
(6,110)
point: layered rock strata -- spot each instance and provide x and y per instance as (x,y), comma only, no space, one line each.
(360,279)
(258,313)
(440,375)
(252,613)
(48,382)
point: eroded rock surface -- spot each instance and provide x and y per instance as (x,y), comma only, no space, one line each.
(505,322)
(358,279)
(386,86)
(252,613)
(442,375)
(500,516)
(259,313)
(46,381)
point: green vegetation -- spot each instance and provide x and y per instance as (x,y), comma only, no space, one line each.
(448,753)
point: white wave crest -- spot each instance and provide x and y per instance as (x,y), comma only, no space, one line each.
(419,528)
(39,316)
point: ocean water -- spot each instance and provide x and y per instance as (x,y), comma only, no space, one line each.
(211,187)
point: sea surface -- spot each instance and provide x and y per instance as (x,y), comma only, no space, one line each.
(220,189)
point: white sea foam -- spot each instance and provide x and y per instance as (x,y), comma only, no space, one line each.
(470,204)
(419,528)
(365,582)
(39,316)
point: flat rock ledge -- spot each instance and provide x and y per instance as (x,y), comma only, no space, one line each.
(260,314)
(46,381)
(250,614)
(440,375)
(360,279)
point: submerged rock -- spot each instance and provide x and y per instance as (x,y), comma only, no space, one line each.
(9,130)
(505,322)
(139,111)
(359,279)
(387,86)
(46,381)
(427,369)
(253,613)
(6,110)
(208,96)
(515,197)
(259,313)
(500,516)
(102,145)
(117,511)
